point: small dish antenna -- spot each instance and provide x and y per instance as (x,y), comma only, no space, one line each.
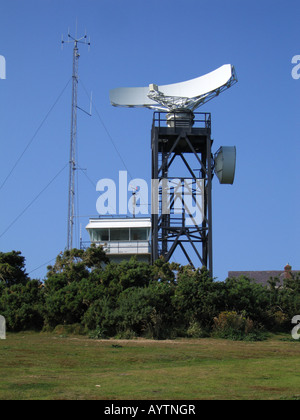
(225,159)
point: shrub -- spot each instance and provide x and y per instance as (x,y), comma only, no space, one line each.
(197,296)
(230,324)
(22,306)
(196,330)
(134,298)
(146,311)
(244,296)
(73,329)
(97,334)
(101,314)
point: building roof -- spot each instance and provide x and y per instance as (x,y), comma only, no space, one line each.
(130,222)
(262,277)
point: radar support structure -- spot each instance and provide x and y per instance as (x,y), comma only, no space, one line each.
(185,136)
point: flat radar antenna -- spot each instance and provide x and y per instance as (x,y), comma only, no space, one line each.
(187,95)
(73,138)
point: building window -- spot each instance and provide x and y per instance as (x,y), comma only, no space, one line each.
(119,234)
(100,235)
(139,234)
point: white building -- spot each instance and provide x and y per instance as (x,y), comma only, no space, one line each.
(122,238)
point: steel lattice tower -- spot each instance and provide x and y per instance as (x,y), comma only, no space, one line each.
(186,137)
(73,138)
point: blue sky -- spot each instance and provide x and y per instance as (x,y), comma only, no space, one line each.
(134,43)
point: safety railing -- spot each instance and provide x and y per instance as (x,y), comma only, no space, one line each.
(179,119)
(123,247)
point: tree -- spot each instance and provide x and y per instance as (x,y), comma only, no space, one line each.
(247,296)
(164,271)
(22,306)
(147,310)
(12,269)
(76,264)
(198,298)
(289,297)
(70,283)
(64,305)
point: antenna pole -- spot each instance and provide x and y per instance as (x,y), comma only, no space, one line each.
(134,202)
(73,138)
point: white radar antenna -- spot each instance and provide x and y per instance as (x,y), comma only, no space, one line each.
(184,96)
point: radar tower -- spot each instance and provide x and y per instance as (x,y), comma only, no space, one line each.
(181,207)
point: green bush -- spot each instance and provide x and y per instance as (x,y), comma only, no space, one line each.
(234,326)
(64,330)
(146,311)
(97,334)
(133,299)
(196,330)
(22,306)
(197,296)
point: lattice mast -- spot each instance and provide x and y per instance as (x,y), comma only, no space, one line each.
(73,138)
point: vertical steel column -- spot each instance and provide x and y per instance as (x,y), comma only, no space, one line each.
(165,218)
(154,196)
(209,205)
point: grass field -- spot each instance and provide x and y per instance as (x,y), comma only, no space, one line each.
(44,366)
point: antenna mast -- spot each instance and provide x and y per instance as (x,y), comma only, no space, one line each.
(73,137)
